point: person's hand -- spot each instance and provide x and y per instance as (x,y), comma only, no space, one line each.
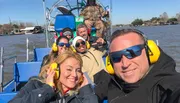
(50,77)
(100,41)
(85,81)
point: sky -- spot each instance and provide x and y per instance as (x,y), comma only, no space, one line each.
(123,11)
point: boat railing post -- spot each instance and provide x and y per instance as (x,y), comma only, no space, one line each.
(1,70)
(110,14)
(27,49)
(47,17)
(157,42)
(46,25)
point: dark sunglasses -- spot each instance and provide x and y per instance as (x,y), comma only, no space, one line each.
(79,43)
(61,44)
(129,53)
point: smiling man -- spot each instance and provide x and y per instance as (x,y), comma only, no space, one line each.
(137,78)
(130,70)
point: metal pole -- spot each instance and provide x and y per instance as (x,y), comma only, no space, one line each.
(110,17)
(45,19)
(78,6)
(1,70)
(157,42)
(27,49)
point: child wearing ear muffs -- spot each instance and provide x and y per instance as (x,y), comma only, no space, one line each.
(92,58)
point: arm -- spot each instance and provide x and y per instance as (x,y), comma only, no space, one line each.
(102,80)
(34,92)
(98,43)
(83,11)
(103,12)
(87,95)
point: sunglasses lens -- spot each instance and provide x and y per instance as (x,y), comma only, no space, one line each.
(129,53)
(68,45)
(61,44)
(77,44)
(83,43)
(116,59)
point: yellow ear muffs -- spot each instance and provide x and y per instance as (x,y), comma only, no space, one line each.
(56,68)
(54,47)
(109,66)
(88,45)
(73,49)
(153,51)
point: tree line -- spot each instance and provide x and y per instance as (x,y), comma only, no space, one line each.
(163,19)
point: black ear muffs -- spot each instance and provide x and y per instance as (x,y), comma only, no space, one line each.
(55,67)
(153,56)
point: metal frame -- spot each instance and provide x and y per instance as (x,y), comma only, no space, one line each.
(47,17)
(2,60)
(1,69)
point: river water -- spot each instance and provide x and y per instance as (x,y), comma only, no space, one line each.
(168,38)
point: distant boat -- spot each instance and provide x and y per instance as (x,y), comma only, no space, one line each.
(32,30)
(51,29)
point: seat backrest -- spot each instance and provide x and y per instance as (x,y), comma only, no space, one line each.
(63,21)
(24,70)
(39,53)
(6,97)
(105,101)
(79,20)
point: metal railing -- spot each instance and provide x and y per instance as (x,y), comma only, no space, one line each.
(1,70)
(2,60)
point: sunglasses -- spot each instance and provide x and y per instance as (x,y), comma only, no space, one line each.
(61,44)
(79,43)
(129,53)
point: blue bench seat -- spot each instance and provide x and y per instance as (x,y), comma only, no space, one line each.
(39,53)
(6,97)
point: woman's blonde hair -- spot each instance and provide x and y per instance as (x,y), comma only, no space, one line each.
(59,60)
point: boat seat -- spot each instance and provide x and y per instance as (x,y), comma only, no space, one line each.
(23,71)
(39,53)
(63,21)
(105,101)
(6,97)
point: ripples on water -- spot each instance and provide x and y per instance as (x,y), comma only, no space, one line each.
(168,37)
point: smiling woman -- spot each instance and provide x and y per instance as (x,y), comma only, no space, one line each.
(71,86)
